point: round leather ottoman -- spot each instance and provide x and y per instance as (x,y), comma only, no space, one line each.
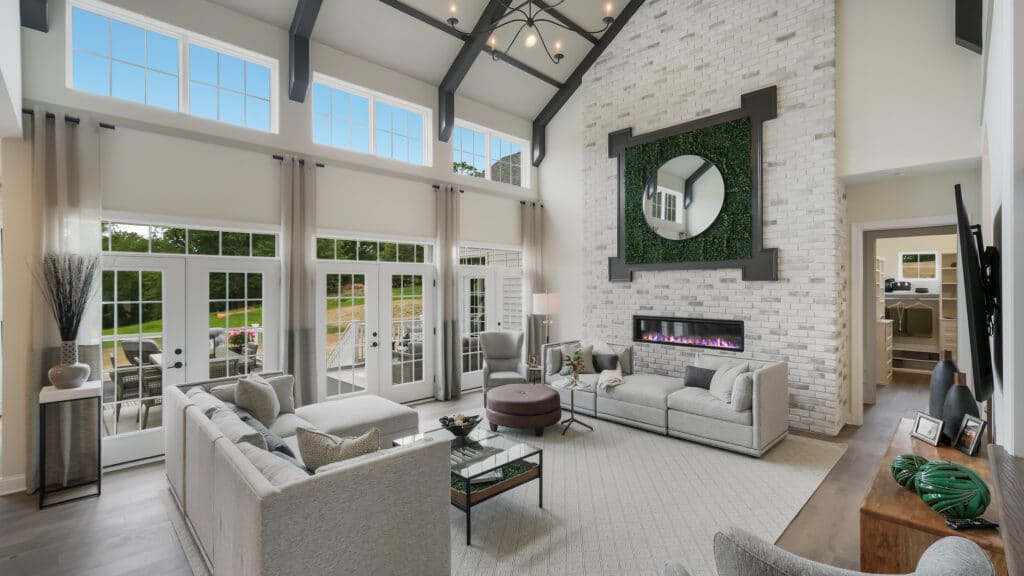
(523,406)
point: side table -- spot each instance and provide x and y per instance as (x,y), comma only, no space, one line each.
(533,375)
(53,398)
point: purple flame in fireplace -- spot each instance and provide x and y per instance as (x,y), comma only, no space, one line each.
(718,342)
(696,332)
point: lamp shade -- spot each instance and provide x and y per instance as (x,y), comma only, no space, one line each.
(546,303)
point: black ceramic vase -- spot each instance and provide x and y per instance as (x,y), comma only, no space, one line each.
(959,401)
(942,381)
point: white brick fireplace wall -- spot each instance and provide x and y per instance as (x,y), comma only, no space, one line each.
(679,60)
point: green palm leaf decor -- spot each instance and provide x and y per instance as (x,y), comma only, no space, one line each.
(952,490)
(904,469)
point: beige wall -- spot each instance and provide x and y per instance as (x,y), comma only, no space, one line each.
(486,219)
(916,195)
(907,94)
(359,202)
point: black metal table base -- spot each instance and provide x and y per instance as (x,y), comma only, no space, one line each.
(469,503)
(572,419)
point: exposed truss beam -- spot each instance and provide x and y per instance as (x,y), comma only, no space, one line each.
(444,27)
(575,79)
(569,23)
(34,15)
(306,12)
(471,48)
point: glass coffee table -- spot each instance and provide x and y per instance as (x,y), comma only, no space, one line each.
(484,465)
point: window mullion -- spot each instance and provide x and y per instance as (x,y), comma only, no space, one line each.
(487,156)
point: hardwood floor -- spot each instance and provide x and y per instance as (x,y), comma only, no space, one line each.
(128,531)
(827,529)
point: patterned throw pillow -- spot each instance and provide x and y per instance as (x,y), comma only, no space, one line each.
(320,448)
(256,396)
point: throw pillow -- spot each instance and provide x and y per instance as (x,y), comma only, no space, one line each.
(284,387)
(206,402)
(604,362)
(626,360)
(320,448)
(586,354)
(554,360)
(567,351)
(743,392)
(238,432)
(257,397)
(224,392)
(697,377)
(274,442)
(724,378)
(278,471)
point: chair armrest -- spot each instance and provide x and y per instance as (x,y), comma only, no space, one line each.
(770,403)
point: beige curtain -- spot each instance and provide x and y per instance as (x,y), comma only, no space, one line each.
(532,225)
(298,235)
(448,384)
(67,197)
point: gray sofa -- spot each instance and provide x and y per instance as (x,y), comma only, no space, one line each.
(382,513)
(663,404)
(738,553)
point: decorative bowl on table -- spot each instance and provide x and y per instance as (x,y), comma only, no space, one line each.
(459,425)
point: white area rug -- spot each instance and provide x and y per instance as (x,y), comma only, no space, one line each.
(623,501)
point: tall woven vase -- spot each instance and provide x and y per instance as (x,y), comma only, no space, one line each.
(70,373)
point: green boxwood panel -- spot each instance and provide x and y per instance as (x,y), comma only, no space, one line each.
(727,146)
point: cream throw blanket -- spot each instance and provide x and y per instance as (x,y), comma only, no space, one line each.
(609,379)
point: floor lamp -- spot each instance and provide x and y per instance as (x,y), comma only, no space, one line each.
(546,304)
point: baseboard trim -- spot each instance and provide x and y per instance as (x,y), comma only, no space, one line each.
(12,484)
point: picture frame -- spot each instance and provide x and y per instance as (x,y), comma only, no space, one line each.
(927,429)
(968,439)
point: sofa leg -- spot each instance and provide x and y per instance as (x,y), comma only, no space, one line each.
(538,431)
(494,427)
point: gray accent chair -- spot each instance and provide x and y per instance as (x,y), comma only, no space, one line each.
(503,359)
(738,553)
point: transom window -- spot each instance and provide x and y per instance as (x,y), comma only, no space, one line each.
(493,257)
(396,130)
(117,53)
(483,153)
(145,238)
(919,265)
(373,250)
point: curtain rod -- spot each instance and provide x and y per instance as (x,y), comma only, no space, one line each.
(67,118)
(301,161)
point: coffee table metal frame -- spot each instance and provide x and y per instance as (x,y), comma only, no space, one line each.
(464,500)
(572,414)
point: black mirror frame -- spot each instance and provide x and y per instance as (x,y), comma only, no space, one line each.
(760,106)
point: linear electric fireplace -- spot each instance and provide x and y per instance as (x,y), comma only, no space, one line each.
(693,332)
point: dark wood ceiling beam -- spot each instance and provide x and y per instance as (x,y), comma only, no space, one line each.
(457,72)
(566,21)
(540,123)
(301,29)
(34,15)
(447,29)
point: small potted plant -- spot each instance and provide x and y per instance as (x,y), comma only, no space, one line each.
(66,281)
(575,363)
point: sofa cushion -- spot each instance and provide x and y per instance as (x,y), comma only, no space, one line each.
(235,430)
(505,377)
(703,403)
(258,397)
(356,415)
(604,362)
(554,360)
(743,392)
(286,424)
(284,387)
(626,360)
(320,448)
(723,380)
(274,442)
(278,471)
(650,390)
(206,402)
(697,377)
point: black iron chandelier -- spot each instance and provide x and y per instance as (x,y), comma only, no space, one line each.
(526,14)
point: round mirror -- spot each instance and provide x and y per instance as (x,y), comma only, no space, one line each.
(683,197)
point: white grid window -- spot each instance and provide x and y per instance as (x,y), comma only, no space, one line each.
(396,130)
(228,88)
(483,153)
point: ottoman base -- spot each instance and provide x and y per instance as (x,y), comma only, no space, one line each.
(536,421)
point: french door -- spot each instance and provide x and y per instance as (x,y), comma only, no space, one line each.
(492,300)
(375,330)
(142,350)
(169,320)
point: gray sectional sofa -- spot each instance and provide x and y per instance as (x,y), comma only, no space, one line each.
(665,405)
(382,513)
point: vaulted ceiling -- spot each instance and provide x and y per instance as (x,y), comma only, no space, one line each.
(409,36)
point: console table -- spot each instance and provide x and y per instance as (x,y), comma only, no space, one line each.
(53,399)
(896,526)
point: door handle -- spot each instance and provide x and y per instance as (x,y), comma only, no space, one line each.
(373,345)
(177,365)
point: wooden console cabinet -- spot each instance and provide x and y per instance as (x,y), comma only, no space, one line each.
(896,526)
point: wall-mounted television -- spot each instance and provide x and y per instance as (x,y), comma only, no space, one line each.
(980,269)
